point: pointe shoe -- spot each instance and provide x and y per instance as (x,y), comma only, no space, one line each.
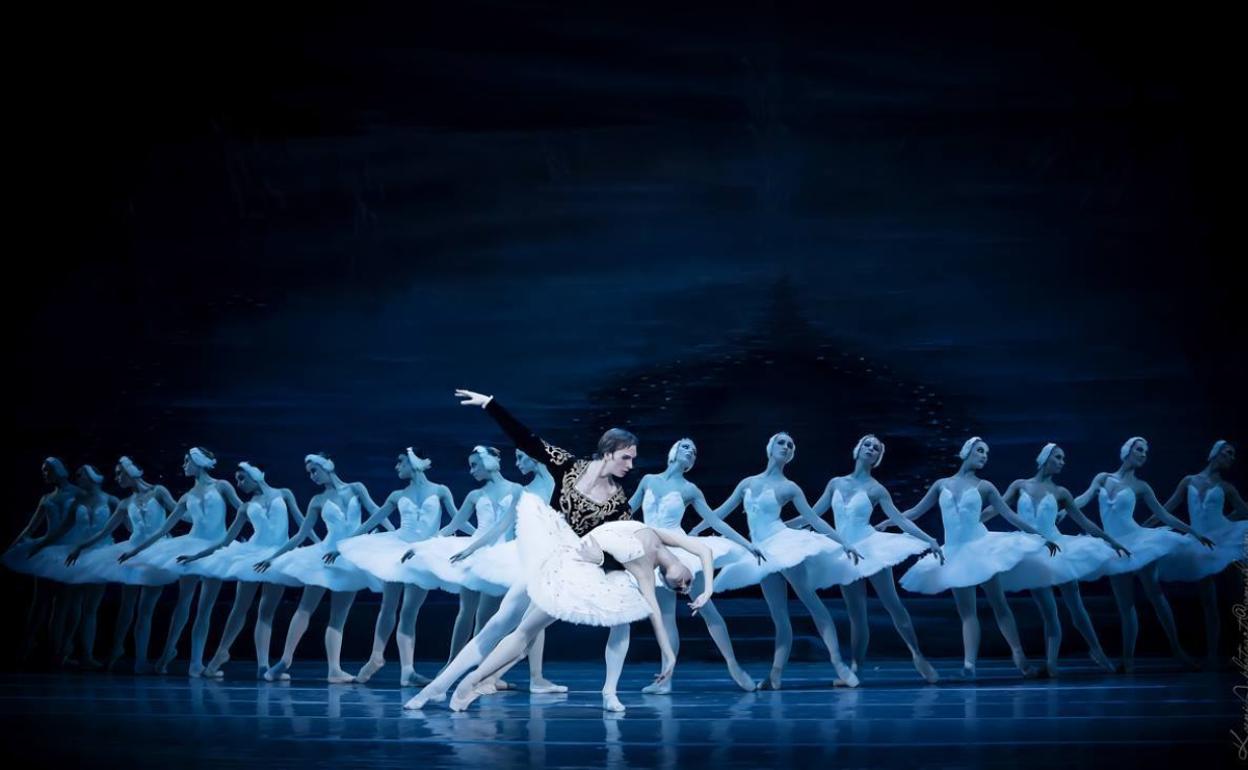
(967,671)
(1102,660)
(162,665)
(277,671)
(213,670)
(410,678)
(772,682)
(545,687)
(659,688)
(502,684)
(463,696)
(195,670)
(611,703)
(926,670)
(488,687)
(373,665)
(339,677)
(845,675)
(422,698)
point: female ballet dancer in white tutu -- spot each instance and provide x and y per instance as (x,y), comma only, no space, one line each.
(1117,494)
(542,485)
(339,504)
(805,560)
(1206,494)
(586,494)
(563,571)
(420,505)
(143,511)
(1042,503)
(92,509)
(852,499)
(439,562)
(204,505)
(51,510)
(663,498)
(974,557)
(269,511)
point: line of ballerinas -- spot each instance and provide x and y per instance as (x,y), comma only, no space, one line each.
(77,552)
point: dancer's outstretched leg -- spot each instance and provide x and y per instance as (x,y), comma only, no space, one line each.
(1083,624)
(1005,622)
(799,578)
(1124,594)
(886,590)
(270,599)
(776,593)
(122,625)
(294,632)
(148,596)
(1047,604)
(92,595)
(538,683)
(855,596)
(617,651)
(510,649)
(339,608)
(967,601)
(177,621)
(244,594)
(208,590)
(387,617)
(465,621)
(1152,590)
(405,638)
(507,619)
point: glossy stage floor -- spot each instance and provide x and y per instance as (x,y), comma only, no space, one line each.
(1155,717)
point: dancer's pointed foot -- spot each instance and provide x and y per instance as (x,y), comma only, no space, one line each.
(659,688)
(1101,659)
(1026,669)
(845,677)
(276,671)
(338,676)
(213,669)
(195,670)
(162,665)
(543,686)
(409,678)
(464,695)
(487,687)
(1052,670)
(772,682)
(926,670)
(743,680)
(967,671)
(611,703)
(502,684)
(424,697)
(373,665)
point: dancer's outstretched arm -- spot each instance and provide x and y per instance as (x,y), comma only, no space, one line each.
(1067,503)
(677,539)
(292,506)
(379,516)
(366,500)
(1172,521)
(529,442)
(40,514)
(236,528)
(714,519)
(923,506)
(1173,503)
(460,520)
(53,537)
(494,532)
(1098,481)
(880,496)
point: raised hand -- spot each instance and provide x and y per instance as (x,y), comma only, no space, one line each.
(188,558)
(758,555)
(938,552)
(471,398)
(263,566)
(410,553)
(1053,547)
(330,557)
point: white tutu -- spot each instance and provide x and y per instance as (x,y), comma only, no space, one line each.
(430,567)
(16,558)
(1192,561)
(825,561)
(492,569)
(306,565)
(50,563)
(237,561)
(1081,556)
(1146,546)
(378,554)
(163,555)
(99,565)
(882,550)
(559,582)
(970,563)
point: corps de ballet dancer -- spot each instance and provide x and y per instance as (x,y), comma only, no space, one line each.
(339,503)
(852,499)
(1117,494)
(51,510)
(92,508)
(420,505)
(663,498)
(204,506)
(1042,503)
(792,557)
(585,494)
(1207,494)
(973,556)
(269,510)
(143,511)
